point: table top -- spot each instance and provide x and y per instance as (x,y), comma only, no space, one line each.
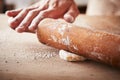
(23,57)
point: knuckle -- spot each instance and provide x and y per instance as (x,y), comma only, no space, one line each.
(16,20)
(32,12)
(44,13)
(26,10)
(23,24)
(40,16)
(34,21)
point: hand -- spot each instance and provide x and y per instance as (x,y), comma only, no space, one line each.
(27,19)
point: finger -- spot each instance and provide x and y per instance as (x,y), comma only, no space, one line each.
(36,20)
(29,31)
(27,20)
(26,30)
(17,20)
(71,14)
(49,13)
(13,13)
(23,27)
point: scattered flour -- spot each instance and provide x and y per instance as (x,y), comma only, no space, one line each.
(44,55)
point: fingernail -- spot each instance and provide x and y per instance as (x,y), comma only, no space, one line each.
(72,19)
(69,18)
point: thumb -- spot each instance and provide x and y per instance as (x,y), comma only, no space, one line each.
(71,14)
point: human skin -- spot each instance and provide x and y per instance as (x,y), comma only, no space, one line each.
(27,19)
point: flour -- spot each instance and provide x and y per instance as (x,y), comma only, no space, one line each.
(62,29)
(75,47)
(54,38)
(65,41)
(44,55)
(98,55)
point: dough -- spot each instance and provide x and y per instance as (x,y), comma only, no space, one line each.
(70,56)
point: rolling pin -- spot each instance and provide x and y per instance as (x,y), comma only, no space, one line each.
(94,37)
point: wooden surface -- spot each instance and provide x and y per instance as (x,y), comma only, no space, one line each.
(22,57)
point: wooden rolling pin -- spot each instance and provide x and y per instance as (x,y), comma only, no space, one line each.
(96,38)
